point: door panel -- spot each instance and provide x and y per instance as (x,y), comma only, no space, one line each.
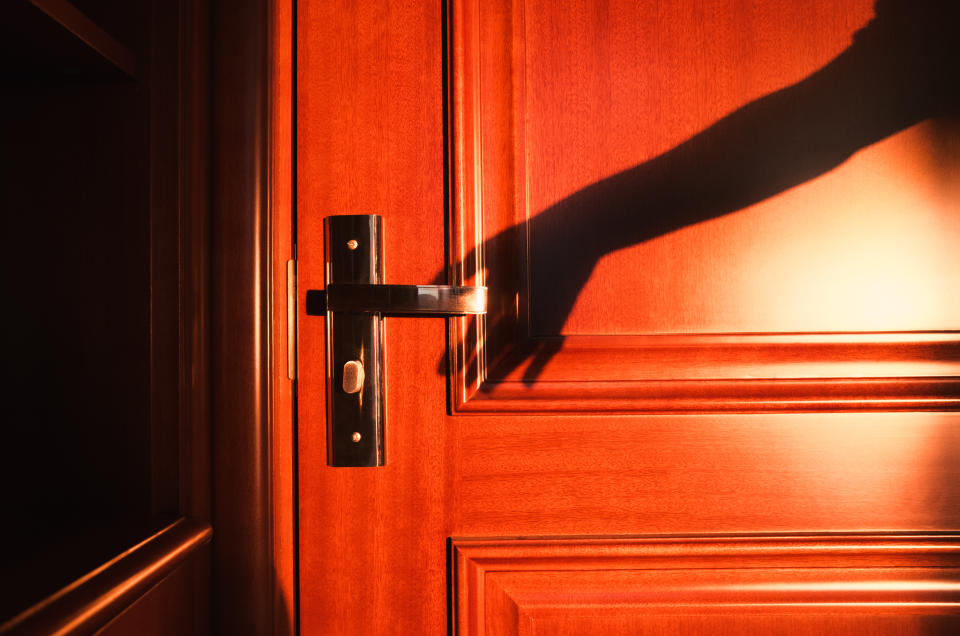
(697,473)
(757,585)
(719,319)
(754,249)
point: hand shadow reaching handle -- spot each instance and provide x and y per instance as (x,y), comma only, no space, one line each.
(899,71)
(565,227)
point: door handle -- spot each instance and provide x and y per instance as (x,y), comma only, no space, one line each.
(354,302)
(431,300)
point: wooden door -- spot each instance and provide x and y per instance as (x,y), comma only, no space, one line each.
(716,388)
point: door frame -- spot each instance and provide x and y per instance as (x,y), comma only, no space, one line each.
(252,394)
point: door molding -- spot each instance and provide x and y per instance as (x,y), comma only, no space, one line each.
(505,585)
(93,600)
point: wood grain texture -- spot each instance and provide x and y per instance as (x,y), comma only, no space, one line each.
(890,584)
(569,101)
(370,140)
(283,437)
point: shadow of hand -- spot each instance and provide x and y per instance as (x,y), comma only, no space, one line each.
(915,43)
(561,246)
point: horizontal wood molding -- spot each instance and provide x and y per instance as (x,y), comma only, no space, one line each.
(737,356)
(704,396)
(511,585)
(498,361)
(92,601)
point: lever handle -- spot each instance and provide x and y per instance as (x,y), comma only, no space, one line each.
(354,303)
(436,300)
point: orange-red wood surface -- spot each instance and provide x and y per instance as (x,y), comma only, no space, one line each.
(829,284)
(283,451)
(370,140)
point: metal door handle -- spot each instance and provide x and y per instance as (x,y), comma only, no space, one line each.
(354,303)
(435,300)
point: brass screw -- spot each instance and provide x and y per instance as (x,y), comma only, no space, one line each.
(352,244)
(355,437)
